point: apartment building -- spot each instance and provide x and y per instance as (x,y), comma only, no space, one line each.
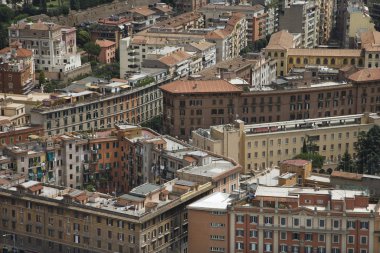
(284,219)
(326,20)
(186,107)
(356,18)
(302,17)
(142,17)
(54,47)
(113,28)
(230,40)
(187,6)
(72,111)
(260,146)
(358,94)
(182,30)
(370,42)
(16,69)
(150,218)
(255,16)
(107,53)
(282,48)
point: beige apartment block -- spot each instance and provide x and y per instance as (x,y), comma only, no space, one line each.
(260,146)
(285,219)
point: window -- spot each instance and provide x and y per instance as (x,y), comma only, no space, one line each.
(351,224)
(283,248)
(239,232)
(268,234)
(335,250)
(308,237)
(296,236)
(308,249)
(296,222)
(253,246)
(336,224)
(321,223)
(308,223)
(335,239)
(321,238)
(267,247)
(253,219)
(268,220)
(283,221)
(239,245)
(253,233)
(363,240)
(239,219)
(350,239)
(364,225)
(283,236)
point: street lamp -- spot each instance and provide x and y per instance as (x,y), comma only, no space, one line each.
(5,249)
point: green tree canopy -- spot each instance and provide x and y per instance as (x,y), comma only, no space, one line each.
(6,13)
(83,37)
(92,49)
(368,151)
(316,159)
(346,163)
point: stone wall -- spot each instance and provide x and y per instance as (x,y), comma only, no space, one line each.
(92,14)
(64,77)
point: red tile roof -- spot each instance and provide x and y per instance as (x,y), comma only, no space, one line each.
(105,43)
(197,86)
(347,175)
(175,58)
(365,75)
(296,162)
(20,52)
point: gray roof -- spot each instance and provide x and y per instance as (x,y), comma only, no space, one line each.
(144,189)
(131,197)
(185,183)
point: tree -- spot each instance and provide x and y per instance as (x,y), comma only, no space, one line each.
(304,146)
(14,3)
(309,152)
(346,163)
(368,151)
(41,78)
(83,37)
(3,35)
(316,159)
(92,49)
(43,6)
(6,13)
(74,5)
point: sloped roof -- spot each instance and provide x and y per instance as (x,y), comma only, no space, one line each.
(280,40)
(197,86)
(143,10)
(175,58)
(105,43)
(20,52)
(370,40)
(42,26)
(365,75)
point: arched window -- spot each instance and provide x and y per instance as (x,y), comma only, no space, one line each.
(282,54)
(318,61)
(345,61)
(305,61)
(291,60)
(370,56)
(352,61)
(269,54)
(275,54)
(325,61)
(377,56)
(360,62)
(333,61)
(298,60)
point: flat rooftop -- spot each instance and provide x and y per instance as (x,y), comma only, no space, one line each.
(216,167)
(214,201)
